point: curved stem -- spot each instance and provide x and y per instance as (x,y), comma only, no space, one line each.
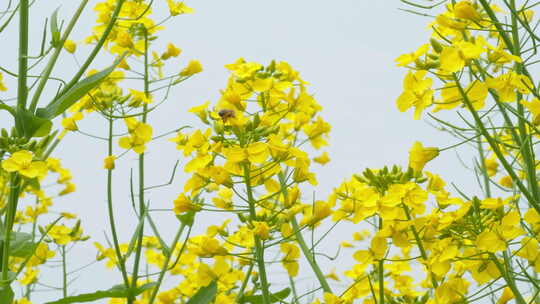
(419,243)
(494,146)
(310,257)
(121,262)
(259,248)
(244,283)
(166,264)
(142,212)
(508,278)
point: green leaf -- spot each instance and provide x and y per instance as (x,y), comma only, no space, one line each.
(205,295)
(55,31)
(31,125)
(20,244)
(274,297)
(73,94)
(6,294)
(117,291)
(187,218)
(11,110)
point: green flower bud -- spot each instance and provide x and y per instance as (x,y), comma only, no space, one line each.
(437,47)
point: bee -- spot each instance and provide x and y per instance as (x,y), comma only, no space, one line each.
(226,114)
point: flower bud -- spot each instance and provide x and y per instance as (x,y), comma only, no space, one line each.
(437,47)
(108,162)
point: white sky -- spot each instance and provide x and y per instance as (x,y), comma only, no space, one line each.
(345,49)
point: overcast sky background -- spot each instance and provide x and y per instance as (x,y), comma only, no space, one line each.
(345,49)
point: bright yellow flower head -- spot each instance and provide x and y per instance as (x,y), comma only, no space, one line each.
(183,204)
(417,93)
(193,67)
(70,46)
(60,234)
(405,59)
(139,98)
(172,51)
(419,156)
(70,123)
(178,8)
(2,85)
(466,10)
(261,230)
(139,134)
(322,159)
(108,162)
(23,300)
(21,162)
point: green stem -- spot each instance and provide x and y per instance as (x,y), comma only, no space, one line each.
(14,183)
(64,272)
(310,257)
(302,243)
(508,278)
(381,270)
(121,262)
(244,283)
(166,264)
(22,90)
(526,148)
(138,249)
(381,282)
(419,243)
(487,189)
(495,147)
(50,65)
(259,248)
(96,49)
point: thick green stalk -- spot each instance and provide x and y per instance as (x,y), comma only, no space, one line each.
(22,90)
(121,262)
(309,257)
(64,271)
(259,248)
(166,264)
(142,212)
(52,61)
(14,184)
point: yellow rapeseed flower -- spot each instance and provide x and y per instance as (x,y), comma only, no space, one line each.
(419,156)
(70,46)
(21,162)
(108,162)
(193,67)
